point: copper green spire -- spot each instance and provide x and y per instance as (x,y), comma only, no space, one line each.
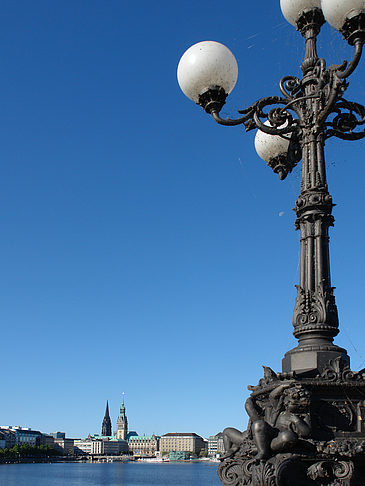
(122,422)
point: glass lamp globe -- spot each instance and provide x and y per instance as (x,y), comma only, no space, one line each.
(269,146)
(206,65)
(293,9)
(337,12)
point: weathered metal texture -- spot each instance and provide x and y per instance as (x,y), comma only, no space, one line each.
(307,423)
(309,111)
(303,431)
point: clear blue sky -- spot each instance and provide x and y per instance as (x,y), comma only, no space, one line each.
(145,249)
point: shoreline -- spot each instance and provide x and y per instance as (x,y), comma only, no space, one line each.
(98,460)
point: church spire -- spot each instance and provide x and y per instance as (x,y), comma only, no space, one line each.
(106,428)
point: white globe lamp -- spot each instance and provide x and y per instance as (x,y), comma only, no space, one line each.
(337,12)
(204,66)
(273,149)
(293,9)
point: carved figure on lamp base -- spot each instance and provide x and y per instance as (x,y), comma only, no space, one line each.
(282,422)
(303,431)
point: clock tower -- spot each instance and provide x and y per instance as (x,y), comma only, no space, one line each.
(122,423)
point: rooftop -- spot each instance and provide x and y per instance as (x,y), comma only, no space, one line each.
(143,437)
(182,434)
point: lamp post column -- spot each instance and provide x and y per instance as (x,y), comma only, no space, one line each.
(315,317)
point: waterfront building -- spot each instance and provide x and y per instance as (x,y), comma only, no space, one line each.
(28,436)
(64,446)
(179,456)
(22,435)
(58,435)
(122,423)
(187,442)
(25,436)
(145,445)
(7,439)
(83,446)
(47,440)
(102,446)
(114,447)
(8,436)
(106,428)
(215,445)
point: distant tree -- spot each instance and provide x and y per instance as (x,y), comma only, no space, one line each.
(26,451)
(47,450)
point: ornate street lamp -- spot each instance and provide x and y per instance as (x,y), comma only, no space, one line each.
(307,423)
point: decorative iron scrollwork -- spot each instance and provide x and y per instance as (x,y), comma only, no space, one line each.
(337,370)
(349,116)
(231,472)
(331,471)
(280,119)
(290,86)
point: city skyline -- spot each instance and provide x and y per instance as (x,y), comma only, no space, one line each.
(144,248)
(106,427)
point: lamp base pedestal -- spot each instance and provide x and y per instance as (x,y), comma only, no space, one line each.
(303,431)
(313,359)
(294,470)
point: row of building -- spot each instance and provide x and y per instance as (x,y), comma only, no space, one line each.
(11,436)
(122,442)
(154,444)
(147,446)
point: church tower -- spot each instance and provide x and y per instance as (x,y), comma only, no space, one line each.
(106,428)
(122,423)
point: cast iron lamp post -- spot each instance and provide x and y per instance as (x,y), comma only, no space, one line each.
(306,423)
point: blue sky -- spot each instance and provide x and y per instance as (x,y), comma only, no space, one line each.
(145,249)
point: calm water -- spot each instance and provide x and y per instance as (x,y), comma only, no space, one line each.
(113,474)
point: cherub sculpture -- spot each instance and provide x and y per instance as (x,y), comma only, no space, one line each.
(276,426)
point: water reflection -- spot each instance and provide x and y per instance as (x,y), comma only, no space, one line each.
(115,474)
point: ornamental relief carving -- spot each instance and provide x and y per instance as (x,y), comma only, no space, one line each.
(311,218)
(314,200)
(338,371)
(315,307)
(334,416)
(298,435)
(332,472)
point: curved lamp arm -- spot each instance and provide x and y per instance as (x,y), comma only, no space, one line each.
(358,44)
(228,121)
(253,114)
(339,76)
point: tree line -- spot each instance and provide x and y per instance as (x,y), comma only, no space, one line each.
(27,451)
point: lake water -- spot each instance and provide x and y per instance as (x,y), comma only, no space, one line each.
(111,474)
